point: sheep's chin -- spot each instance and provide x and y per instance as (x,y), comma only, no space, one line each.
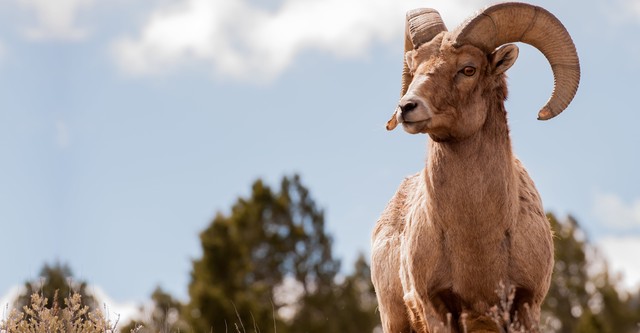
(415,127)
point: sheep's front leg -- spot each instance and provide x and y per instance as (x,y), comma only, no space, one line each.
(394,317)
(423,274)
(418,313)
(385,267)
(393,313)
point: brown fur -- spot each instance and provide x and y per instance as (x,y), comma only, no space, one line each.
(472,218)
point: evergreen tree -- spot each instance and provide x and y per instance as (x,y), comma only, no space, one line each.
(163,317)
(579,300)
(361,288)
(615,310)
(568,298)
(55,283)
(354,306)
(268,236)
(269,240)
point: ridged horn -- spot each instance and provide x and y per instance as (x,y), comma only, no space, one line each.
(518,22)
(422,25)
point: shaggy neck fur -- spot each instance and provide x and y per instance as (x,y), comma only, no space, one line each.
(472,199)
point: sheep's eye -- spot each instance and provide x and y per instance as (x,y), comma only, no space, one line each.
(469,71)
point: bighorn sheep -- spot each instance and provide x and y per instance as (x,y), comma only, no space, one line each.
(472,218)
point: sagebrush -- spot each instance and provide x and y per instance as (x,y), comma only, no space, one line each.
(74,317)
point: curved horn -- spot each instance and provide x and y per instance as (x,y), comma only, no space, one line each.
(421,26)
(518,22)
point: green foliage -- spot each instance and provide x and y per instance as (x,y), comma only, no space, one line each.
(348,307)
(615,310)
(580,300)
(268,267)
(164,316)
(274,240)
(568,297)
(55,284)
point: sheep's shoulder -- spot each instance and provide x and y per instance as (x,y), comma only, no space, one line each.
(531,240)
(392,219)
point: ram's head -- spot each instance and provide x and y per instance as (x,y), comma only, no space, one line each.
(451,79)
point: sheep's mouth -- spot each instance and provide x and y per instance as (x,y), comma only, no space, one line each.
(414,127)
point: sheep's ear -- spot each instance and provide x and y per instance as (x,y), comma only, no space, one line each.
(503,58)
(409,59)
(393,122)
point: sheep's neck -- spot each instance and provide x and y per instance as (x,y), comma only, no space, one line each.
(470,183)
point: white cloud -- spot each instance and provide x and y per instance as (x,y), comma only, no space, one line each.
(622,255)
(123,312)
(56,19)
(621,12)
(7,300)
(633,6)
(247,42)
(613,212)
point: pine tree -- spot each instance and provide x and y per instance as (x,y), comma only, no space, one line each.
(55,283)
(615,310)
(580,300)
(266,238)
(568,298)
(349,306)
(162,317)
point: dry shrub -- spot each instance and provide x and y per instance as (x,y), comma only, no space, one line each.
(74,318)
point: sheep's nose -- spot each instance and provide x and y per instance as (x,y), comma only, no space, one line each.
(407,106)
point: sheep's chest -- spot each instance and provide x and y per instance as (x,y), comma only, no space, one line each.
(444,263)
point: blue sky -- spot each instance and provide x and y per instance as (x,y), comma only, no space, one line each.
(125,126)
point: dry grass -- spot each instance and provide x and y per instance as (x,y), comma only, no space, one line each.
(74,317)
(77,318)
(501,315)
